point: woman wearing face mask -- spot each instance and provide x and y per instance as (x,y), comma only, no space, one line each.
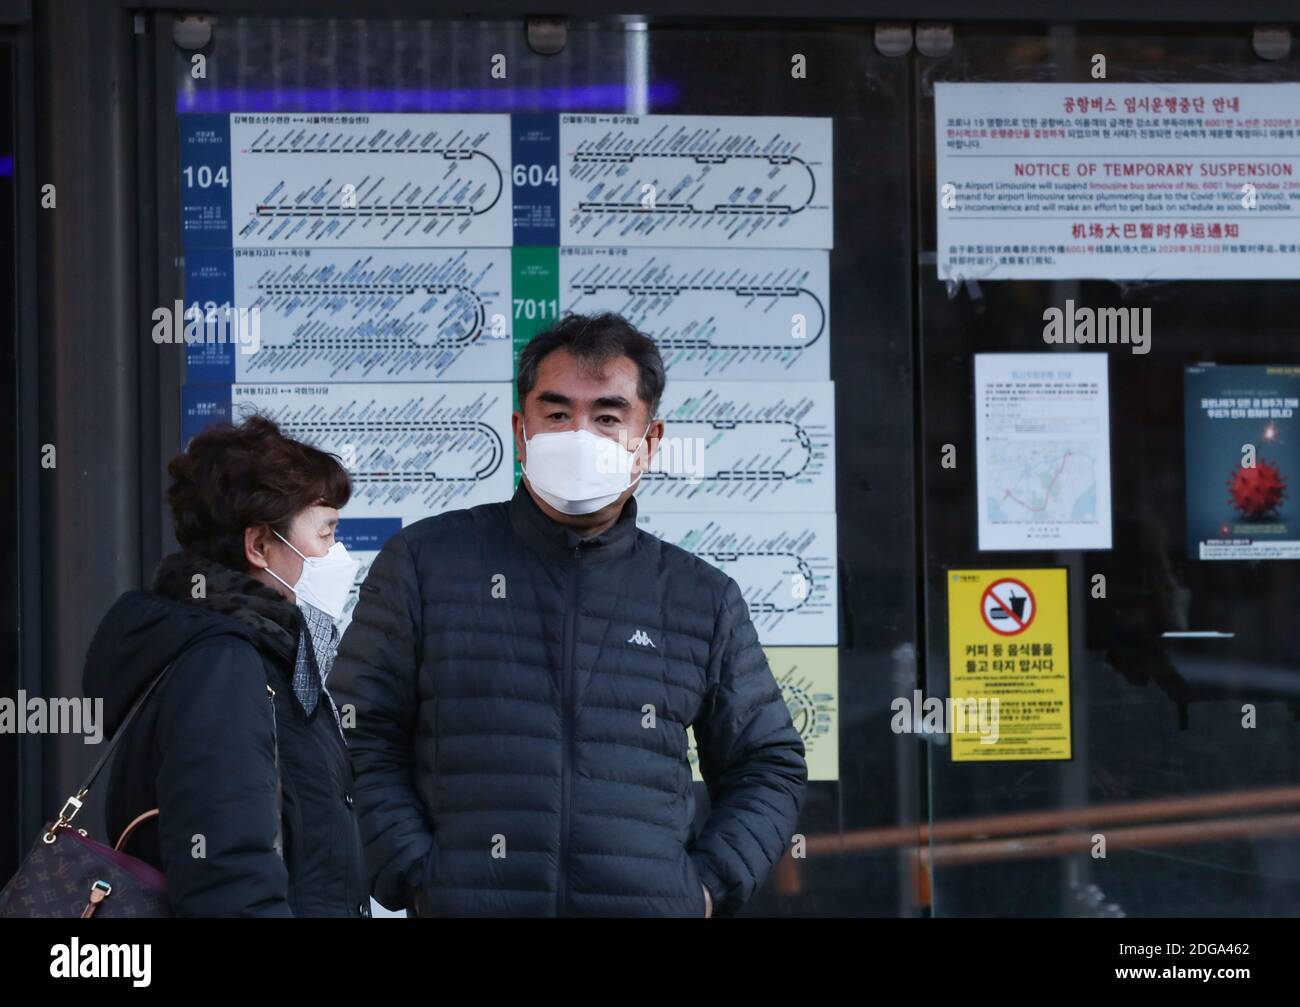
(239,745)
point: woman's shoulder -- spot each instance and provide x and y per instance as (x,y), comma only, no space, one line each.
(143,634)
(220,676)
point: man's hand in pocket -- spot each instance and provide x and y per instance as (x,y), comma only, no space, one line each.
(708,902)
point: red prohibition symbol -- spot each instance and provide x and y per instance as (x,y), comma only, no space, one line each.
(1008,606)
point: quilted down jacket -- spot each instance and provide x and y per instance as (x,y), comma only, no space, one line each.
(521,700)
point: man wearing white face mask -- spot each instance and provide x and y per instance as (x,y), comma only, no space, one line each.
(578,473)
(524,675)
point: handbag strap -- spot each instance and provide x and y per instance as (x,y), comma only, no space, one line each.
(278,841)
(139,820)
(73,804)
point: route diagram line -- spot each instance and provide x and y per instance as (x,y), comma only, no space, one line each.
(805,571)
(363,339)
(693,343)
(1046,495)
(484,430)
(740,475)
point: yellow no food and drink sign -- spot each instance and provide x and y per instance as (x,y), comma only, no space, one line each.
(1009,664)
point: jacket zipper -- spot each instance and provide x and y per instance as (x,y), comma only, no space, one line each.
(278,842)
(566,696)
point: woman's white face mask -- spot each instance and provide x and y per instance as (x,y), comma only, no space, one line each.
(325,580)
(578,472)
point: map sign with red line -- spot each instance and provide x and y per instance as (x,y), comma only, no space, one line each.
(1042,460)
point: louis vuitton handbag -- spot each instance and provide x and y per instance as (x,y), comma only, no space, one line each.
(67,874)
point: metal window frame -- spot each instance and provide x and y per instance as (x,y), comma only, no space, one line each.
(1204,12)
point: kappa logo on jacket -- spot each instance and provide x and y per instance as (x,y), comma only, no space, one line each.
(641,638)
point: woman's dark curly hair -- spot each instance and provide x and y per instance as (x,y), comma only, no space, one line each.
(235,477)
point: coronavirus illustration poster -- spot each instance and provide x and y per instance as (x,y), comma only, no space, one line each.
(1243,454)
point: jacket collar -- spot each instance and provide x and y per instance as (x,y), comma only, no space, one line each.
(558,542)
(274,621)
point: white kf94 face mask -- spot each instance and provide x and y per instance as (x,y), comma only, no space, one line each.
(325,580)
(578,472)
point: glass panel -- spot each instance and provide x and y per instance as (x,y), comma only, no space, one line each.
(10,573)
(1155,719)
(859,822)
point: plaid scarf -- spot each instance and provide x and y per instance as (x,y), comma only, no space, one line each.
(317,645)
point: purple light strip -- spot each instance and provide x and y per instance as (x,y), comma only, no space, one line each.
(607,97)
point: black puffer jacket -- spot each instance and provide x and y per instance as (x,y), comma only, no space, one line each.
(202,750)
(522,697)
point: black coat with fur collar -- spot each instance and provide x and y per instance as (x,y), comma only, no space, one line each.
(203,748)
